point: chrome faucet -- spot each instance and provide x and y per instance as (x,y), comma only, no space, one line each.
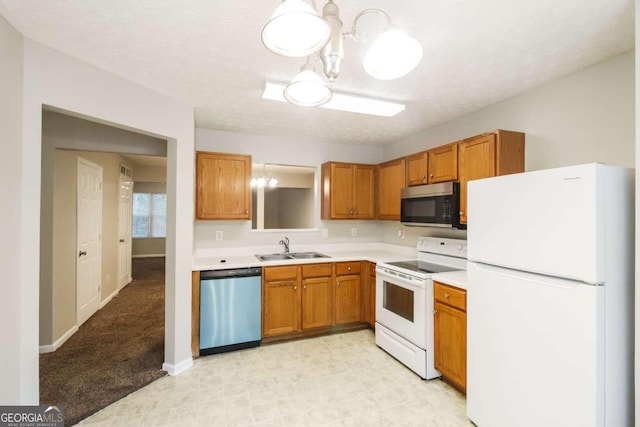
(285,242)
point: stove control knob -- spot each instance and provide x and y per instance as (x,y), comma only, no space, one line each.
(459,246)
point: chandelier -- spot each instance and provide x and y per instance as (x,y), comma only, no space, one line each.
(297,30)
(263,180)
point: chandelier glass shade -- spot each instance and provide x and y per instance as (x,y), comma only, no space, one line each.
(393,55)
(296,30)
(307,88)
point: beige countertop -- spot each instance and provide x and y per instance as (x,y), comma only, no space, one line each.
(453,278)
(374,252)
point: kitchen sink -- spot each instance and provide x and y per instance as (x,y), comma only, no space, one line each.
(292,255)
(273,257)
(304,255)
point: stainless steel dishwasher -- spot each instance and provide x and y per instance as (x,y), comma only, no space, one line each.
(230,309)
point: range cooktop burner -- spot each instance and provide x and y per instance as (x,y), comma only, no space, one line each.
(422,266)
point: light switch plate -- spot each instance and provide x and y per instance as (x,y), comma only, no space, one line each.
(354,231)
(219,235)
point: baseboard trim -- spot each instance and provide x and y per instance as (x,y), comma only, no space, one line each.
(109,298)
(50,348)
(174,370)
(149,256)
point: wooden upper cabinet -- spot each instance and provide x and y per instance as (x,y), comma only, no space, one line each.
(417,168)
(363,192)
(483,156)
(348,191)
(443,163)
(223,188)
(391,181)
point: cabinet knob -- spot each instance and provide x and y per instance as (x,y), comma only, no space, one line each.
(446,295)
(295,288)
(424,176)
(304,287)
(355,212)
(461,213)
(351,211)
(338,284)
(348,268)
(430,175)
(247,212)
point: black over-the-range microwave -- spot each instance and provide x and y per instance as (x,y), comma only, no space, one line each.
(432,205)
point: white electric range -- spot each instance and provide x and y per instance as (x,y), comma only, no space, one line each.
(404,301)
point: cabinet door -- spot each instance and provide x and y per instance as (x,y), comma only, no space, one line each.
(347,299)
(363,192)
(222,186)
(417,167)
(281,307)
(450,343)
(476,159)
(443,163)
(391,181)
(341,184)
(316,302)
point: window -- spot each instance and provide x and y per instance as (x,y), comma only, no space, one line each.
(149,215)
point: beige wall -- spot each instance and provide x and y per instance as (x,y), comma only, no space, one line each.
(150,173)
(14,338)
(284,151)
(587,116)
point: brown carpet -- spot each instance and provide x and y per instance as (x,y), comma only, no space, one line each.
(118,350)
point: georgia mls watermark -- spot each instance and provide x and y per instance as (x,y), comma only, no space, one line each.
(31,416)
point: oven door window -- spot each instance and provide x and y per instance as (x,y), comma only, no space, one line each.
(398,300)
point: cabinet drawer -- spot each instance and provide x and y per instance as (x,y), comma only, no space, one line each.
(449,295)
(278,273)
(343,268)
(316,270)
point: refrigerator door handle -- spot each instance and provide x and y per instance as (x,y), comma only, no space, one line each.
(540,279)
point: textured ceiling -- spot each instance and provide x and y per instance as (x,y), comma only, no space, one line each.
(208,53)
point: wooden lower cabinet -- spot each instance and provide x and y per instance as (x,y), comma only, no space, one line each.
(281,307)
(316,302)
(450,334)
(298,299)
(347,299)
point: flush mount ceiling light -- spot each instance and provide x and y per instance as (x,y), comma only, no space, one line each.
(296,30)
(341,101)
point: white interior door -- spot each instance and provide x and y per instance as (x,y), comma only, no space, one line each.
(89,230)
(124,231)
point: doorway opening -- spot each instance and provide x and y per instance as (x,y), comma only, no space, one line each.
(92,360)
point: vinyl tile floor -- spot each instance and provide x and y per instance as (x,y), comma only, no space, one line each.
(334,380)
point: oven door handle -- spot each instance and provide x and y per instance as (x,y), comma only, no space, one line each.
(401,279)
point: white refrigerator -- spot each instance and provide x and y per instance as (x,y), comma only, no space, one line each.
(550,298)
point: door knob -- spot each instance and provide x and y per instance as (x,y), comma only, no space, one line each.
(82,253)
